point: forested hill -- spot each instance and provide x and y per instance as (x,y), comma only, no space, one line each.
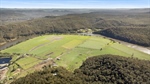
(72,22)
(109,69)
(140,36)
(106,69)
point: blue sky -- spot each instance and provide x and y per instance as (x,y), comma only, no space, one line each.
(75,3)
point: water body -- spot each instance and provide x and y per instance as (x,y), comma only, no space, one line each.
(5,60)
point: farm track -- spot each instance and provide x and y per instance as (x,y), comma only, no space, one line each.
(51,41)
(62,54)
(39,46)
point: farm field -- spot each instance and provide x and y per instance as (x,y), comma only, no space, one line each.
(68,51)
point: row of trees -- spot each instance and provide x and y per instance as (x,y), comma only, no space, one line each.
(5,55)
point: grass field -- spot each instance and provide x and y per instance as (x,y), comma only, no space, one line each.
(27,62)
(71,49)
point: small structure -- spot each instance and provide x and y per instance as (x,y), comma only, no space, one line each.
(54,74)
(54,65)
(58,58)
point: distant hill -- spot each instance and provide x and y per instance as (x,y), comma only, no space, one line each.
(140,10)
(17,15)
(102,19)
(60,24)
(106,69)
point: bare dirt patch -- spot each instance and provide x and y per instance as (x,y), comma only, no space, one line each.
(46,62)
(53,38)
(17,71)
(3,73)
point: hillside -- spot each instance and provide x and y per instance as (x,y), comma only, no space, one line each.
(115,69)
(95,70)
(138,36)
(10,15)
(73,22)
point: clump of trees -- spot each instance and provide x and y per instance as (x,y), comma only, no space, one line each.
(138,36)
(106,69)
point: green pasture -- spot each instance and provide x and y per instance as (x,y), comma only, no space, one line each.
(96,46)
(27,62)
(71,49)
(27,45)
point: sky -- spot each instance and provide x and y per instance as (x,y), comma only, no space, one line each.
(75,4)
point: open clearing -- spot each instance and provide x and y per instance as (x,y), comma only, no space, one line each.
(68,51)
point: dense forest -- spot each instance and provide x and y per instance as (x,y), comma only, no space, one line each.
(59,24)
(50,76)
(115,69)
(106,69)
(138,36)
(72,22)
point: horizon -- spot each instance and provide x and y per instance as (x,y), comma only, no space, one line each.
(78,4)
(81,8)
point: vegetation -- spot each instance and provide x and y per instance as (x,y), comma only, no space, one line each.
(68,51)
(138,36)
(27,62)
(50,76)
(17,15)
(106,69)
(5,55)
(114,69)
(73,22)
